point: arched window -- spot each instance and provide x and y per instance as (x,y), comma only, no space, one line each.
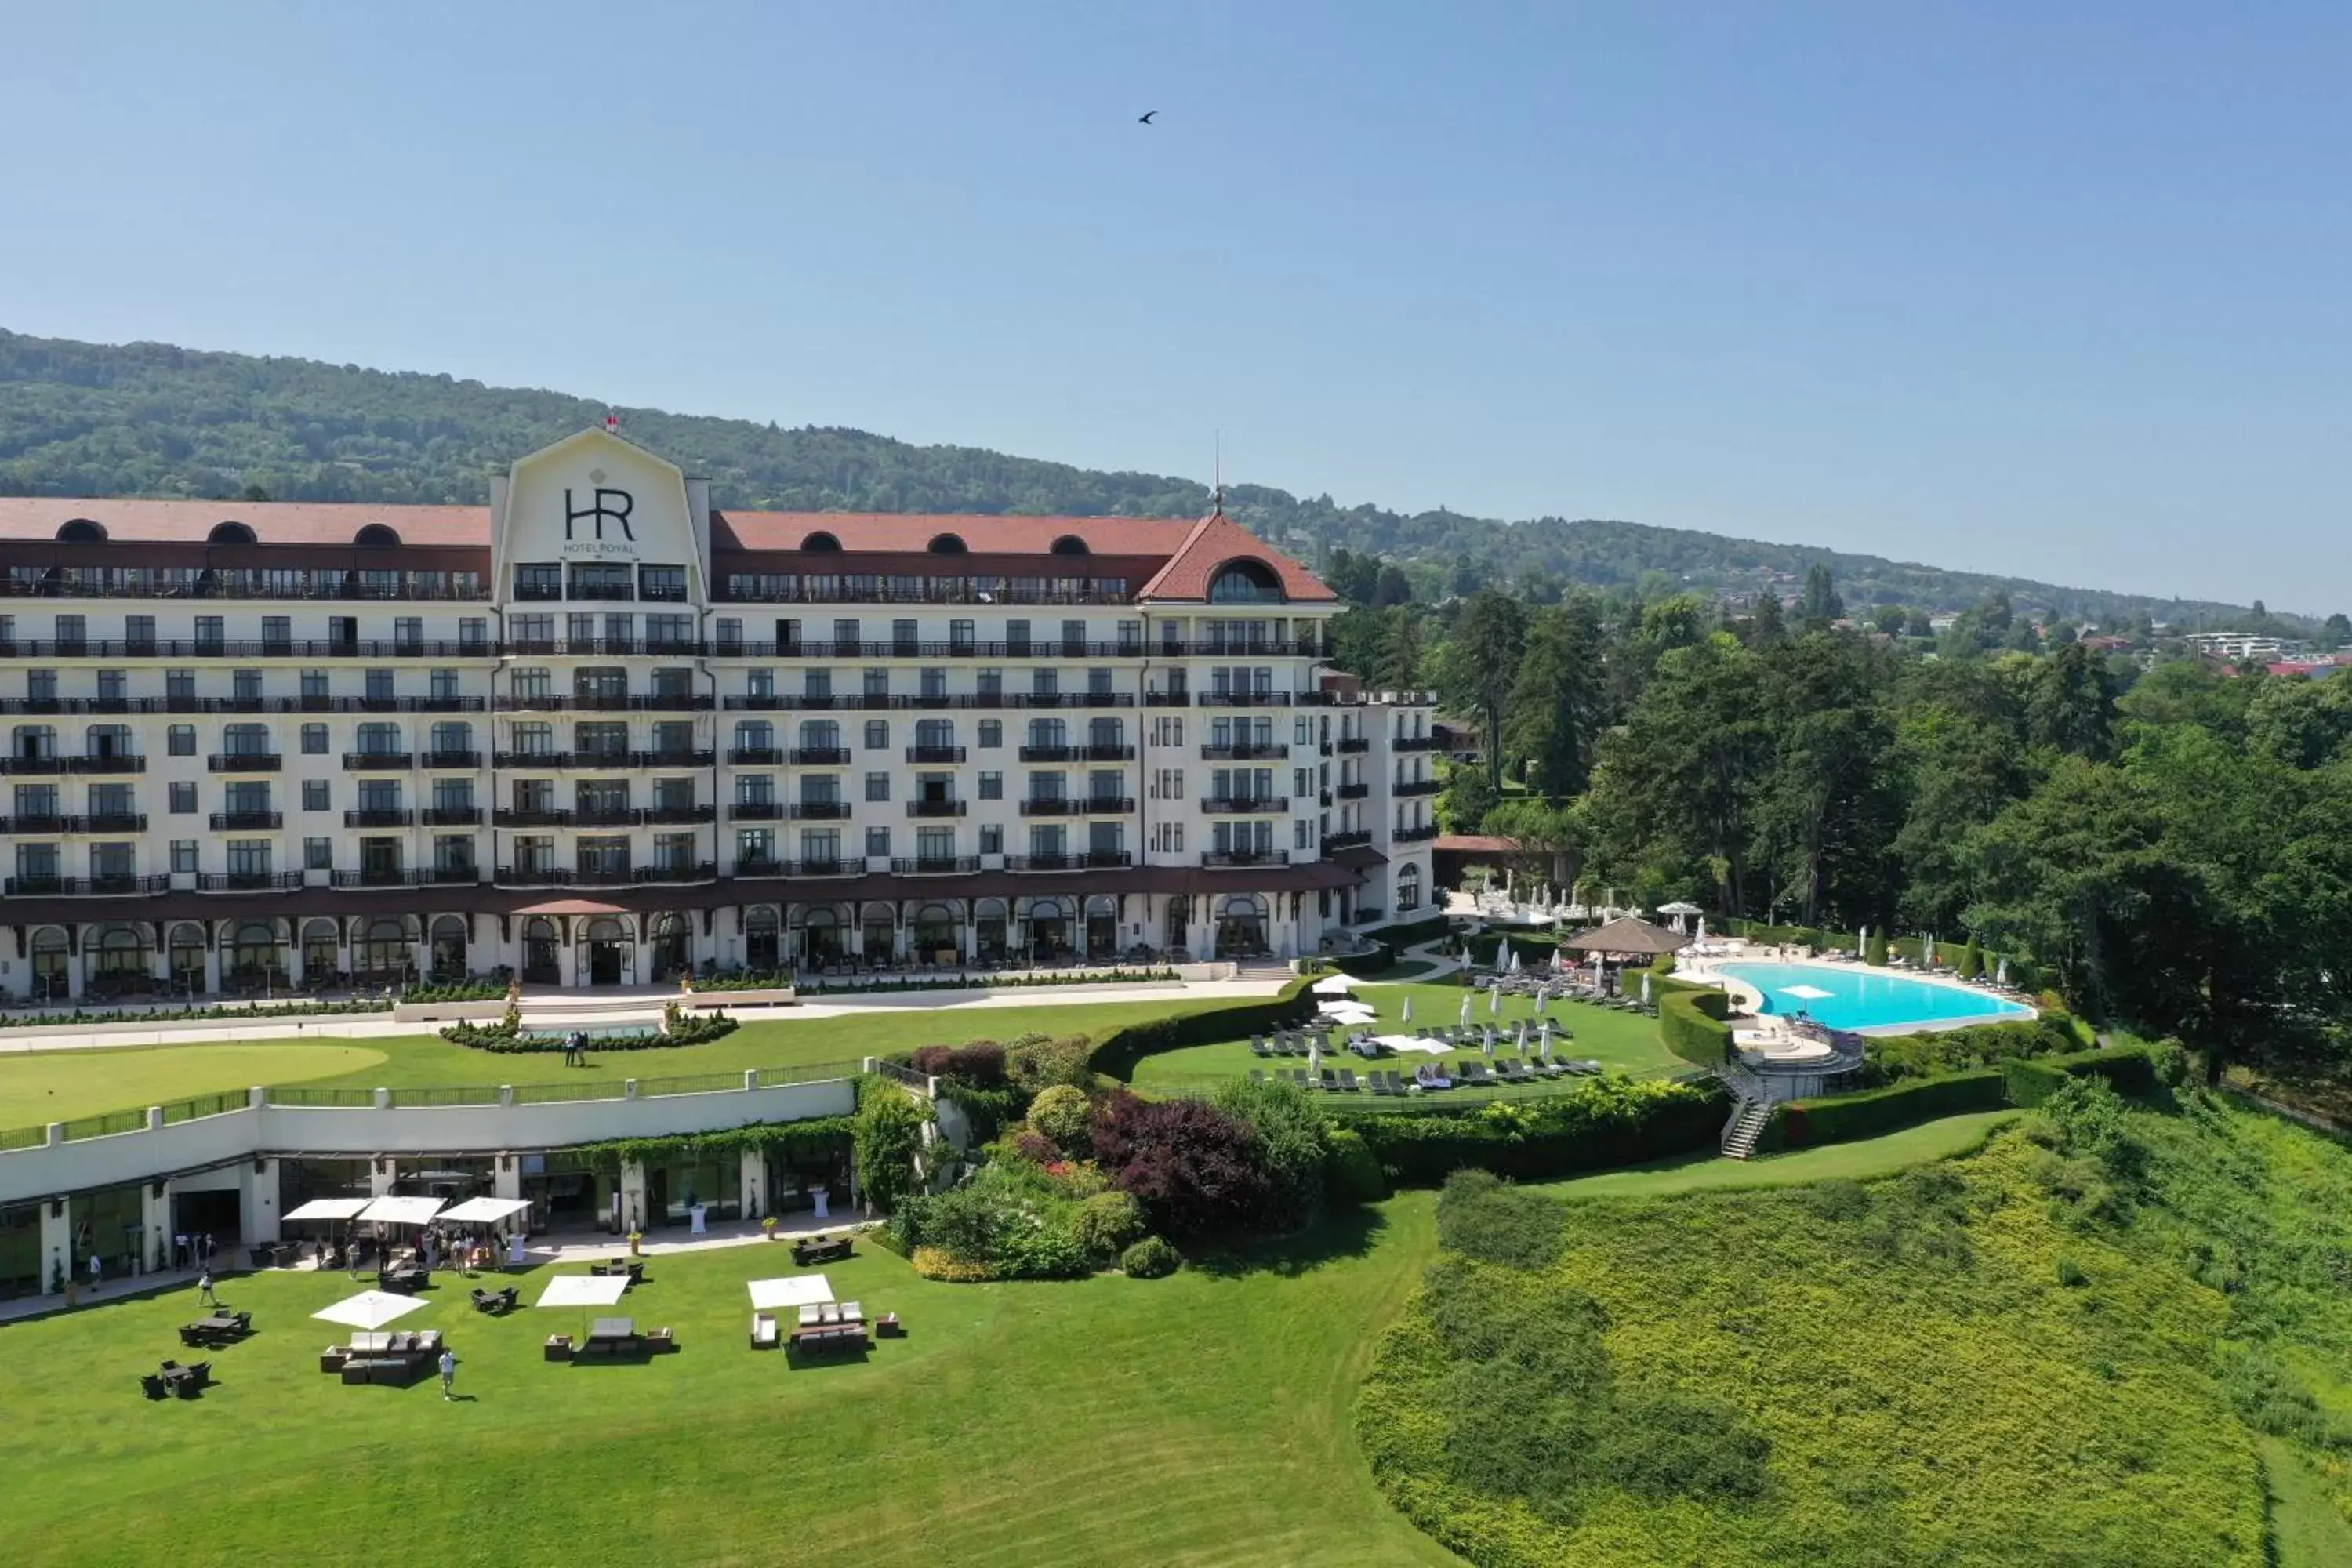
(322,943)
(82,530)
(1408,889)
(1102,928)
(1069,545)
(939,933)
(186,950)
(945,544)
(761,951)
(821,543)
(51,959)
(381,950)
(119,964)
(230,533)
(1240,927)
(256,951)
(541,964)
(376,534)
(449,947)
(820,735)
(1245,581)
(988,930)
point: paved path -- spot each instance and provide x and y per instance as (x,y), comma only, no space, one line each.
(337,1026)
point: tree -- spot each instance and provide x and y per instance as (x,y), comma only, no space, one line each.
(1391,588)
(884,1141)
(2072,705)
(2336,631)
(1482,664)
(1402,654)
(1891,619)
(1820,603)
(1194,1167)
(1554,712)
(1766,625)
(1467,798)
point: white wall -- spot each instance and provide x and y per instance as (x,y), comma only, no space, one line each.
(245,1135)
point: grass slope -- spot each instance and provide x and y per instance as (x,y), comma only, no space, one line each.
(1200,1419)
(1856,1162)
(58,1085)
(1931,1392)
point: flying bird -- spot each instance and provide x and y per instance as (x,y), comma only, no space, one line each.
(1145,119)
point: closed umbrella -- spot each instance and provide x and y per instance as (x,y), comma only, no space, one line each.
(1495,1003)
(1861,939)
(1464,1022)
(1315,1056)
(1927,954)
(1489,1041)
(1515,961)
(1702,929)
(1406,1012)
(2000,973)
(1523,1038)
(1645,988)
(1546,1040)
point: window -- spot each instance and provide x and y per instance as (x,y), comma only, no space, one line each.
(959,634)
(408,631)
(817,685)
(139,630)
(877,683)
(210,631)
(379,685)
(443,685)
(878,735)
(314,686)
(180,685)
(113,686)
(991,734)
(877,842)
(534,739)
(41,685)
(180,741)
(316,795)
(662,581)
(992,687)
(934,682)
(318,854)
(731,633)
(473,634)
(877,786)
(314,740)
(248,856)
(992,839)
(183,798)
(992,787)
(1299,832)
(184,856)
(1099,682)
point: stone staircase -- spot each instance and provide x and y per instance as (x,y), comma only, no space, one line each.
(1747,1125)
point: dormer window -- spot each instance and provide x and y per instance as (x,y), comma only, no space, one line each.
(1245,581)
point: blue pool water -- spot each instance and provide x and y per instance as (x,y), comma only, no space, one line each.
(1859,997)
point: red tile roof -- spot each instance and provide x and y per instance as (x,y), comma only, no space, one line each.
(1215,541)
(273,523)
(912,534)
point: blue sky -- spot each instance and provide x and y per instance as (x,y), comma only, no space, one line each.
(2057,291)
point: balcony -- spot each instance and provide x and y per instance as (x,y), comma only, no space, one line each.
(248,881)
(1243,700)
(400,877)
(606,817)
(754,757)
(820,811)
(679,816)
(40,823)
(449,761)
(1078,805)
(1072,700)
(606,702)
(935,753)
(755,810)
(529,817)
(377,762)
(1215,859)
(1180,697)
(1421,835)
(538,591)
(935,865)
(1070,860)
(532,875)
(1406,788)
(83,886)
(1109,753)
(1352,744)
(1245,804)
(1418,743)
(602,648)
(246,762)
(380,816)
(450,816)
(559,762)
(115,822)
(686,871)
(1245,751)
(1352,791)
(109,764)
(1335,842)
(756,866)
(607,875)
(245,647)
(247,821)
(32,765)
(820,756)
(935,808)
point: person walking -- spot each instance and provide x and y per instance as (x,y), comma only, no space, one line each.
(448,1372)
(204,1290)
(97,1272)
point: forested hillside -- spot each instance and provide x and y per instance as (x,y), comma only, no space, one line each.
(152,420)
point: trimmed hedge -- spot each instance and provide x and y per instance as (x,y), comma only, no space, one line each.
(1691,1021)
(1487,947)
(1428,928)
(1363,963)
(2130,1071)
(1609,1122)
(1836,1118)
(1120,1050)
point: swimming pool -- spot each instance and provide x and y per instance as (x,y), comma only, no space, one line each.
(1864,998)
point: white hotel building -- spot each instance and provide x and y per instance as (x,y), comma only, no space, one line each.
(599,729)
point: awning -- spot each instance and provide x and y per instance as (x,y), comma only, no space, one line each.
(483,1211)
(1358,857)
(584,1291)
(792,1290)
(572,907)
(326,1208)
(400,1211)
(370,1309)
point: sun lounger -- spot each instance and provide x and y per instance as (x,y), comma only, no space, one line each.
(1474,1074)
(1331,1079)
(1346,1080)
(1257,1075)
(1258,1045)
(1299,1077)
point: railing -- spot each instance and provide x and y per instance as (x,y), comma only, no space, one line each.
(1179,698)
(755,810)
(1072,860)
(1244,805)
(935,808)
(1405,788)
(1110,753)
(82,887)
(451,817)
(612,702)
(247,821)
(449,760)
(1352,744)
(603,648)
(244,647)
(520,817)
(558,761)
(1245,751)
(246,762)
(101,822)
(914,590)
(1417,744)
(820,756)
(532,876)
(418,877)
(935,865)
(380,816)
(377,762)
(1213,699)
(1334,842)
(935,753)
(248,881)
(1352,791)
(1078,805)
(692,872)
(754,756)
(1218,858)
(66,583)
(820,811)
(1414,835)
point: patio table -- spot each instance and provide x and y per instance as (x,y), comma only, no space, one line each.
(616,1330)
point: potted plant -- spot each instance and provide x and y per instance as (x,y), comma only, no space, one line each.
(769,1227)
(635,1236)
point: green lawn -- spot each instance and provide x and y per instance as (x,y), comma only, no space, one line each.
(1200,1419)
(1856,1162)
(1622,1042)
(2306,1527)
(50,1085)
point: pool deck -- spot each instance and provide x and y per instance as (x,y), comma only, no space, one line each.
(1749,1000)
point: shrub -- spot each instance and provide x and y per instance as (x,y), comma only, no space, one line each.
(1836,1118)
(2130,1070)
(936,1263)
(884,1141)
(978,1065)
(2167,1061)
(2070,1273)
(1934,1052)
(1351,1174)
(1876,952)
(1194,1167)
(1037,1063)
(1971,960)
(1483,1216)
(1107,1222)
(1604,1122)
(1150,1258)
(1061,1113)
(1122,1048)
(1035,1147)
(1293,1136)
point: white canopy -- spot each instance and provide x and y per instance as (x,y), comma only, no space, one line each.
(327,1208)
(790,1290)
(1350,1013)
(400,1211)
(483,1211)
(584,1291)
(1333,986)
(1680,907)
(370,1309)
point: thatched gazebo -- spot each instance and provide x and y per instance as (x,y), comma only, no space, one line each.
(1628,938)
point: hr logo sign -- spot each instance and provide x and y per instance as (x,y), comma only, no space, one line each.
(604,510)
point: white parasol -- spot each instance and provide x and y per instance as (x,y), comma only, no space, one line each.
(370,1309)
(1332,985)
